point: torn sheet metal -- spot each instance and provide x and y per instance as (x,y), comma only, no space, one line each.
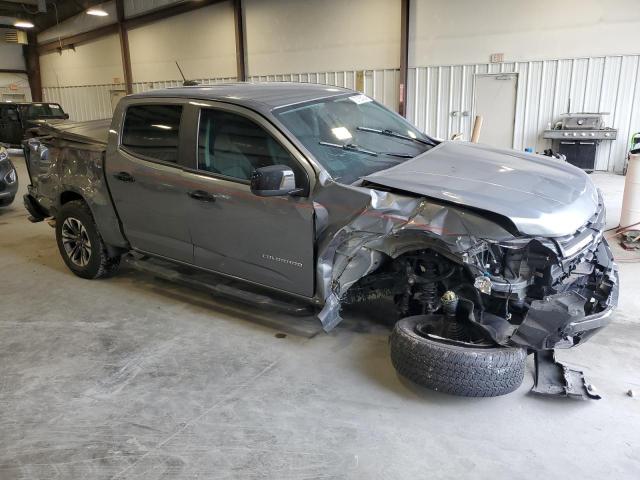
(557,379)
(390,226)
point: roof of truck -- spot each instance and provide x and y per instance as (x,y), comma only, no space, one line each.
(263,95)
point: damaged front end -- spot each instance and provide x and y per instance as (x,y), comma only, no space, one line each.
(538,293)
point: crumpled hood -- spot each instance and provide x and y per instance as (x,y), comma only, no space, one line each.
(541,196)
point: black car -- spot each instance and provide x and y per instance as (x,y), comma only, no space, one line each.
(17,118)
(8,178)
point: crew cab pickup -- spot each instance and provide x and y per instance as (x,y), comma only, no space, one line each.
(324,195)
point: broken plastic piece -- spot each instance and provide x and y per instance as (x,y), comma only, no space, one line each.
(557,379)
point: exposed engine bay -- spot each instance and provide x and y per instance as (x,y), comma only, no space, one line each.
(484,285)
(494,288)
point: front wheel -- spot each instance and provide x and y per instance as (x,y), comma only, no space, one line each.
(478,369)
(80,243)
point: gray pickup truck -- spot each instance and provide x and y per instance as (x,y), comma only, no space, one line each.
(322,194)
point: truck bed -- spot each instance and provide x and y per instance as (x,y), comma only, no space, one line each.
(93,132)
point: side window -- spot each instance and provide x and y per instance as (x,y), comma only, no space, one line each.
(12,114)
(234,146)
(153,131)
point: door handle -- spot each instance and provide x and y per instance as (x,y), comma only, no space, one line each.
(124,177)
(202,196)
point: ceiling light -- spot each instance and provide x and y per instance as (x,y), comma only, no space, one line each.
(97,12)
(23,24)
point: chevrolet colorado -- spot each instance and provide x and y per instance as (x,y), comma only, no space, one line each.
(324,195)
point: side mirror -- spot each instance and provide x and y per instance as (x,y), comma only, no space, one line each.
(66,116)
(273,181)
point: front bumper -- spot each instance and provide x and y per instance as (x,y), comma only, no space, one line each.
(560,321)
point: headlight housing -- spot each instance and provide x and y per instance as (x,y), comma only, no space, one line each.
(11,177)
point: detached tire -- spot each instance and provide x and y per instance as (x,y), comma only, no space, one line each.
(453,367)
(80,243)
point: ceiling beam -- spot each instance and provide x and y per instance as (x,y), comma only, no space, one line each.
(12,70)
(66,42)
(128,24)
(161,14)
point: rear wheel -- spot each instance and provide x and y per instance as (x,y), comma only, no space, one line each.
(80,243)
(472,368)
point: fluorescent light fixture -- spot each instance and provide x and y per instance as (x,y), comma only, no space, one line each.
(23,24)
(97,12)
(341,133)
(163,127)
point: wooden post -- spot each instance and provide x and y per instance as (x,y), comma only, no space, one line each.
(477,126)
(404,56)
(32,63)
(124,47)
(241,41)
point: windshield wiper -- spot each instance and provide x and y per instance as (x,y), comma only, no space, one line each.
(350,147)
(391,133)
(355,148)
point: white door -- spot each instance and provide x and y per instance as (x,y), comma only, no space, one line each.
(495,101)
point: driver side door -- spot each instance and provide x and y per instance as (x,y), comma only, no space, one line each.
(264,240)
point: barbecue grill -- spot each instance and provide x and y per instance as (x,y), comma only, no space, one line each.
(577,136)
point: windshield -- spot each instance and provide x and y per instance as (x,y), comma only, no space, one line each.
(43,110)
(353,136)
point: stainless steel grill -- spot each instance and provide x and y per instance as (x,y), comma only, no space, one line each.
(577,136)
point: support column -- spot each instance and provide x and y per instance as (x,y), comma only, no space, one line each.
(32,62)
(124,46)
(404,56)
(241,41)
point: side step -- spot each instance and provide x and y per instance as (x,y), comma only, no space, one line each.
(215,285)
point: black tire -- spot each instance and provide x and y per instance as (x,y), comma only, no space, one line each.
(5,202)
(98,263)
(458,369)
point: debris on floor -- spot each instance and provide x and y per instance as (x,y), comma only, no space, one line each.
(557,379)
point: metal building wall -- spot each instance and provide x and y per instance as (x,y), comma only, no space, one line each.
(94,101)
(382,84)
(606,84)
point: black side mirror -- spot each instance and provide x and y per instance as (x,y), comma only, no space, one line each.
(66,116)
(273,181)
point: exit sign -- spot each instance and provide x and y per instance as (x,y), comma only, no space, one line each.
(496,58)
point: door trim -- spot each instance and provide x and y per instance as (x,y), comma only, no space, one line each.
(312,299)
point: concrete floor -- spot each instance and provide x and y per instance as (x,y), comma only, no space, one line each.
(135,378)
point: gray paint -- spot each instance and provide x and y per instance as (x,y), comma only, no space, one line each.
(134,377)
(447,198)
(540,195)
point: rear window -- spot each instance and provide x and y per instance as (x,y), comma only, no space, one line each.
(153,131)
(43,110)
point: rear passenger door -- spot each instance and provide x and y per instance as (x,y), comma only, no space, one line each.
(266,240)
(144,170)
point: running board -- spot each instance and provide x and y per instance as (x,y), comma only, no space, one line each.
(215,285)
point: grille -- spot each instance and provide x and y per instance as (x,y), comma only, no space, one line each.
(586,239)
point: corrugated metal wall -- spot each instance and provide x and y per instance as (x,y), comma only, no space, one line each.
(605,84)
(94,101)
(381,85)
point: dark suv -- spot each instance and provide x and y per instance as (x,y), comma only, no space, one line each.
(17,118)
